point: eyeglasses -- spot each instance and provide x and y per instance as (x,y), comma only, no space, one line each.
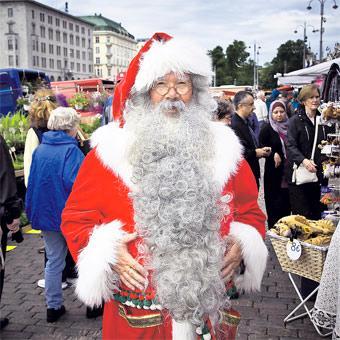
(181,88)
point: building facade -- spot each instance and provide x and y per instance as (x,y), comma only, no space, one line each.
(36,36)
(113,47)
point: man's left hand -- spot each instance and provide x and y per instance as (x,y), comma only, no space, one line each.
(14,226)
(232,259)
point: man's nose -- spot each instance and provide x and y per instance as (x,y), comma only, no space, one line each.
(172,93)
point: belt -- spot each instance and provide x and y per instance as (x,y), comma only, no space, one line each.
(143,321)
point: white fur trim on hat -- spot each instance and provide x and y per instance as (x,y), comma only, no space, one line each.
(96,279)
(254,252)
(175,56)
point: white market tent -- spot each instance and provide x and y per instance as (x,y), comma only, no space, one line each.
(308,74)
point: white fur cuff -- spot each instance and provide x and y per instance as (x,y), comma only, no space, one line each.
(254,253)
(96,279)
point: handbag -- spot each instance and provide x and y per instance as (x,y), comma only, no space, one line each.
(300,174)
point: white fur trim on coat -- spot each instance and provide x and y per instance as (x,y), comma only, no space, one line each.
(96,280)
(174,55)
(183,330)
(112,142)
(254,253)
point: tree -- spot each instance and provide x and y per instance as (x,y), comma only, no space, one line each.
(289,56)
(219,64)
(236,56)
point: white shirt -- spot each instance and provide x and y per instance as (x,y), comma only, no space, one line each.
(261,110)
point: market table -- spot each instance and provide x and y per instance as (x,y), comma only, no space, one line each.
(326,311)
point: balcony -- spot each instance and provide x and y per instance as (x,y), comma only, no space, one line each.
(108,54)
(109,43)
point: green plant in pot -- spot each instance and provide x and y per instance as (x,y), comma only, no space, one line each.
(79,101)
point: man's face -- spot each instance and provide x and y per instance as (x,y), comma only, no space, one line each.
(246,107)
(172,87)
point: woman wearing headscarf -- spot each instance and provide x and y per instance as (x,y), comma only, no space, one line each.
(274,135)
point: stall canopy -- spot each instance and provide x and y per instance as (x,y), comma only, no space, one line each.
(308,74)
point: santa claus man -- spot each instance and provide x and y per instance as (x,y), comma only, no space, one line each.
(164,209)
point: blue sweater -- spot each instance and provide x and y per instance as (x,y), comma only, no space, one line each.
(55,164)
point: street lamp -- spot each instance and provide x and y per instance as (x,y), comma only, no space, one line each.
(322,21)
(256,54)
(304,26)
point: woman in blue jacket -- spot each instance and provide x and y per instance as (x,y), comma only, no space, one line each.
(55,164)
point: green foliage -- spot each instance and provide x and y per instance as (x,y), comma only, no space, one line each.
(79,101)
(219,64)
(14,129)
(90,128)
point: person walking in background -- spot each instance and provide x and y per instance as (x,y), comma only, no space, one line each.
(305,198)
(224,112)
(274,135)
(55,165)
(261,110)
(244,105)
(10,211)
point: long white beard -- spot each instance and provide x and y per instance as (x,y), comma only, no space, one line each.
(176,210)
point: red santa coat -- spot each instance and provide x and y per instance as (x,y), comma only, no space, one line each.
(99,212)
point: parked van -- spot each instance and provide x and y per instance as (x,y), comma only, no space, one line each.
(15,83)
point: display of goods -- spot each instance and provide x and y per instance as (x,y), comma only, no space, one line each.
(296,226)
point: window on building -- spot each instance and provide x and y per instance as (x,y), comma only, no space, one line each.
(10,45)
(65,38)
(83,55)
(10,60)
(52,63)
(50,19)
(65,52)
(97,49)
(57,22)
(33,45)
(71,39)
(58,50)
(57,35)
(37,61)
(83,42)
(42,31)
(78,54)
(109,72)
(77,28)
(43,62)
(32,14)
(16,43)
(33,28)
(88,32)
(10,12)
(83,30)
(50,33)
(97,60)
(50,49)
(43,47)
(42,17)
(37,45)
(90,69)
(78,67)
(71,53)
(65,63)
(11,27)
(33,60)
(16,60)
(70,26)
(90,55)
(84,68)
(72,65)
(77,41)
(89,43)
(97,40)
(59,64)
(64,24)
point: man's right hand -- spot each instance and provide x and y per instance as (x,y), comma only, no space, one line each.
(263,152)
(130,272)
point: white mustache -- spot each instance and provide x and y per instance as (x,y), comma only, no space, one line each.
(168,105)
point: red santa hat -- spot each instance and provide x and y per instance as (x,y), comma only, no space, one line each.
(160,55)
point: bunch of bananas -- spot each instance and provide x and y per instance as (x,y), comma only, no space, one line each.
(310,231)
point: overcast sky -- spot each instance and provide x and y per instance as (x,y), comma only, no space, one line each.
(218,22)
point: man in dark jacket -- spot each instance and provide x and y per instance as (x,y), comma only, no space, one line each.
(10,209)
(244,106)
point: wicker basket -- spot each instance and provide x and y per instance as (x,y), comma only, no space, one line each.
(310,263)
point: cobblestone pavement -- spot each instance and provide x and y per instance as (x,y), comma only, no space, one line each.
(24,304)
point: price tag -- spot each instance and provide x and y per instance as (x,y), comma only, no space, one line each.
(294,250)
